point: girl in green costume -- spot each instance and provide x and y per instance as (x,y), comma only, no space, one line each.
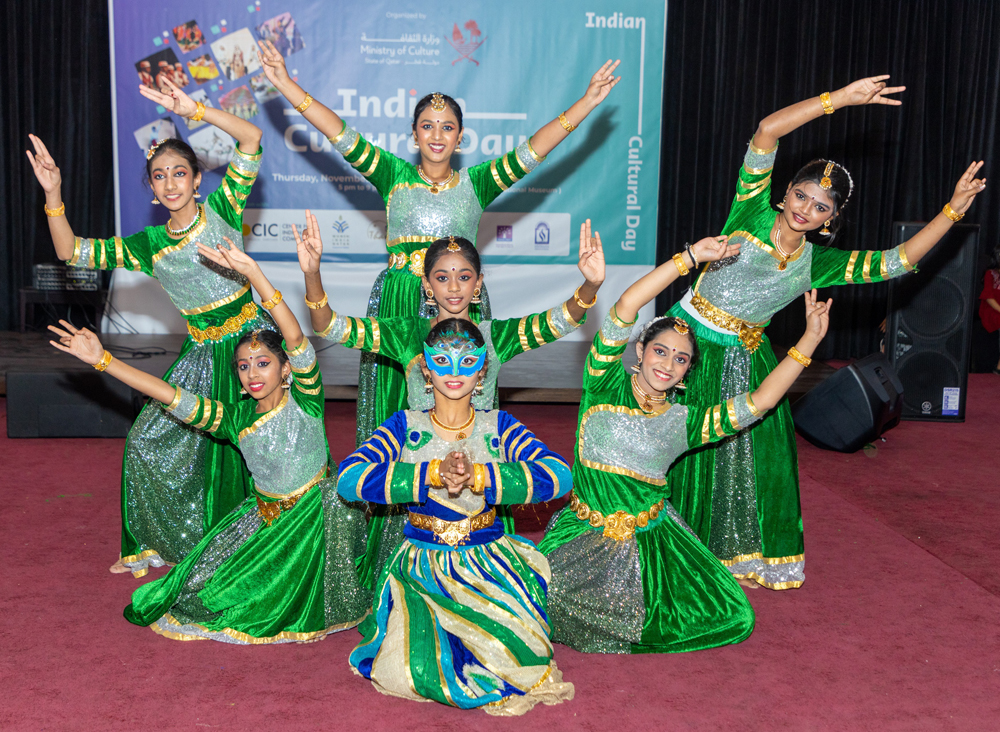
(177,482)
(741,496)
(425,202)
(453,281)
(280,567)
(618,537)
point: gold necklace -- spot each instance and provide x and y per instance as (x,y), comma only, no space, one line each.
(435,187)
(781,252)
(648,400)
(460,429)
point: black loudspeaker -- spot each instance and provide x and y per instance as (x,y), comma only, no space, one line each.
(852,407)
(929,325)
(69,404)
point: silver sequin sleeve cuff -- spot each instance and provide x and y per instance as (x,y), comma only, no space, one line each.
(338,329)
(184,406)
(560,323)
(344,143)
(244,164)
(614,329)
(742,411)
(894,266)
(527,157)
(759,161)
(303,357)
(83,254)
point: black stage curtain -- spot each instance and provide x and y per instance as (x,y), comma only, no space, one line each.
(732,62)
(56,84)
(729,63)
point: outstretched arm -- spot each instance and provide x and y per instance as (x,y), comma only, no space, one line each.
(240,261)
(545,140)
(50,178)
(173,98)
(709,249)
(872,90)
(86,346)
(320,116)
(779,381)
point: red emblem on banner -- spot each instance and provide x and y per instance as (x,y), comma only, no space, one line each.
(466,47)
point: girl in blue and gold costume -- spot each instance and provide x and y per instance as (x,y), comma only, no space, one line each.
(280,567)
(460,610)
(427,201)
(178,482)
(742,495)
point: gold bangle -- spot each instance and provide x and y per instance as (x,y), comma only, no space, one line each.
(824,99)
(479,479)
(434,473)
(804,360)
(105,361)
(198,113)
(318,304)
(54,212)
(272,302)
(566,123)
(305,103)
(947,210)
(581,303)
(681,267)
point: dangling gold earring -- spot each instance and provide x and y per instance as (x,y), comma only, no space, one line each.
(428,386)
(637,366)
(825,231)
(781,205)
(479,388)
(243,391)
(430,296)
(458,147)
(196,194)
(680,385)
(156,201)
(475,296)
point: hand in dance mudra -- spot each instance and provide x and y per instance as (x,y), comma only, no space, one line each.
(817,317)
(78,342)
(602,82)
(591,261)
(273,63)
(871,90)
(45,167)
(309,246)
(171,97)
(231,257)
(714,248)
(454,472)
(967,188)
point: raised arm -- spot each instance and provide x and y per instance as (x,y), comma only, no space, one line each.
(320,116)
(545,140)
(86,346)
(173,98)
(310,250)
(241,262)
(592,268)
(646,288)
(50,178)
(872,90)
(779,381)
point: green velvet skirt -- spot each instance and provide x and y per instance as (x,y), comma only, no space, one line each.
(178,482)
(741,495)
(250,583)
(660,591)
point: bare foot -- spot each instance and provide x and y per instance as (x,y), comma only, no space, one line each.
(748,583)
(118,568)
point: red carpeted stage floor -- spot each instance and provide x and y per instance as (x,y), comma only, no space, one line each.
(896,628)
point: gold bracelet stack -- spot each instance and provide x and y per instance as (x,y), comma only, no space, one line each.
(798,356)
(105,361)
(434,473)
(947,210)
(198,113)
(318,304)
(478,479)
(305,103)
(566,123)
(272,303)
(55,212)
(824,99)
(681,267)
(581,303)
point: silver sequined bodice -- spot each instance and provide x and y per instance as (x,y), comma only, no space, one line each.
(412,210)
(189,279)
(750,285)
(284,449)
(629,440)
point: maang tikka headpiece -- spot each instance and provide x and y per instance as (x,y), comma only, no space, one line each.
(152,148)
(438,103)
(255,345)
(453,245)
(826,182)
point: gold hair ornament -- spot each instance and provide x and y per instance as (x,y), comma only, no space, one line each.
(681,326)
(825,183)
(438,103)
(453,245)
(255,345)
(152,148)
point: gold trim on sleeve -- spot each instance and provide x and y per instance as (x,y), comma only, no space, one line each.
(757,189)
(706,427)
(751,406)
(731,411)
(761,151)
(496,176)
(903,259)
(522,335)
(849,271)
(866,270)
(338,138)
(176,400)
(538,158)
(252,158)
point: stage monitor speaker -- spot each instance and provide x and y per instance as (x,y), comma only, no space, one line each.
(69,404)
(929,324)
(852,407)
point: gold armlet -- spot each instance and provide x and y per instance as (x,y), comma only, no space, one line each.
(824,99)
(105,361)
(804,360)
(681,267)
(434,473)
(318,304)
(272,303)
(947,210)
(198,113)
(581,303)
(305,103)
(55,212)
(566,123)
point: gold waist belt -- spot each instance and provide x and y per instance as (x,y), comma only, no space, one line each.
(270,510)
(619,525)
(453,533)
(416,260)
(748,333)
(233,325)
